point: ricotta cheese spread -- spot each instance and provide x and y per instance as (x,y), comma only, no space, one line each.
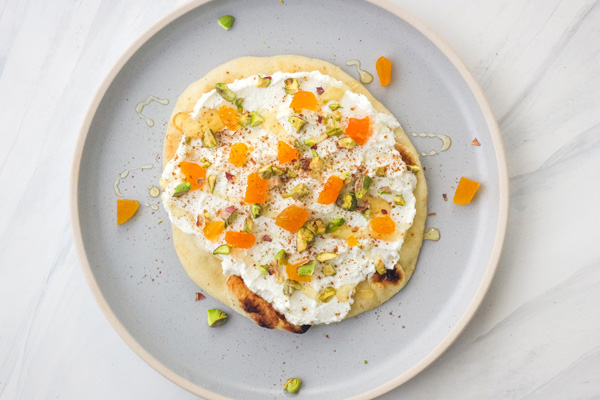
(339,139)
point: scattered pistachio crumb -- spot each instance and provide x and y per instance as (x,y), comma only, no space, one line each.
(226,22)
(366,362)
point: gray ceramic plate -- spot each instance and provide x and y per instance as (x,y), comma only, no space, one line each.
(134,272)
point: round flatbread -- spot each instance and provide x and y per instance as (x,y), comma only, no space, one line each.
(205,269)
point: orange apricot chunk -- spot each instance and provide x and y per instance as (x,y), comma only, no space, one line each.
(359,130)
(331,190)
(465,191)
(286,153)
(383,225)
(304,100)
(292,272)
(228,117)
(352,241)
(194,174)
(126,209)
(256,190)
(237,154)
(213,229)
(292,218)
(241,240)
(384,70)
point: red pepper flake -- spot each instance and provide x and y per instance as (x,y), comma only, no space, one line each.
(319,119)
(200,296)
(475,142)
(432,214)
(267,238)
(445,197)
(384,212)
(320,91)
(314,147)
(305,163)
(228,176)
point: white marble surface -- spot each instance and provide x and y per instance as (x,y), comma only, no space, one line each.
(537,334)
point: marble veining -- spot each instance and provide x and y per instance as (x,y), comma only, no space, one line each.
(536,335)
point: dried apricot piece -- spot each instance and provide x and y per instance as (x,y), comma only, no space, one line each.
(237,154)
(256,190)
(292,218)
(229,117)
(465,191)
(383,225)
(194,174)
(359,130)
(213,229)
(352,241)
(384,70)
(304,100)
(292,272)
(126,209)
(286,153)
(241,240)
(331,190)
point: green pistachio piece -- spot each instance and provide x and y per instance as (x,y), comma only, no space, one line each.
(328,270)
(224,91)
(316,226)
(336,116)
(212,181)
(292,385)
(299,191)
(314,153)
(205,163)
(266,172)
(248,225)
(291,85)
(380,267)
(348,202)
(386,190)
(326,257)
(304,237)
(334,128)
(297,122)
(334,225)
(310,141)
(239,103)
(281,257)
(317,164)
(289,286)
(226,22)
(414,168)
(344,176)
(263,82)
(188,140)
(335,106)
(223,249)
(244,119)
(380,171)
(327,294)
(255,119)
(399,200)
(366,213)
(216,318)
(363,183)
(255,210)
(182,189)
(307,269)
(264,269)
(209,139)
(347,143)
(292,174)
(278,171)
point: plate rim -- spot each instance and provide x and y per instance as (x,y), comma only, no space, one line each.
(475,301)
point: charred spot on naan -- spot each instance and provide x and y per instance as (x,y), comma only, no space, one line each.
(391,277)
(257,308)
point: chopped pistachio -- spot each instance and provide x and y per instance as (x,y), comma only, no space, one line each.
(326,257)
(205,163)
(304,237)
(291,85)
(316,226)
(329,270)
(334,128)
(292,385)
(334,225)
(209,139)
(310,141)
(244,119)
(255,210)
(239,103)
(316,164)
(326,294)
(266,172)
(263,82)
(292,174)
(188,140)
(335,106)
(226,22)
(380,171)
(216,318)
(314,153)
(414,168)
(182,189)
(366,213)
(362,186)
(223,249)
(248,225)
(380,267)
(289,286)
(281,257)
(344,176)
(212,181)
(278,171)
(224,91)
(264,269)
(399,200)
(255,119)
(307,269)
(336,116)
(297,122)
(299,191)
(385,190)
(347,143)
(348,201)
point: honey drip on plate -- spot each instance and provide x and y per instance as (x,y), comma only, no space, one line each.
(363,75)
(125,174)
(152,206)
(446,142)
(139,108)
(432,234)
